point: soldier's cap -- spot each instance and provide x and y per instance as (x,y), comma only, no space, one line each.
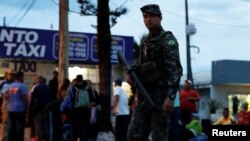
(151,8)
(189,82)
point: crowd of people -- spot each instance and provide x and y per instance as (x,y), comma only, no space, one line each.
(45,110)
(57,115)
(71,112)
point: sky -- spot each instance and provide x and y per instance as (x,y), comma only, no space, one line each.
(223,26)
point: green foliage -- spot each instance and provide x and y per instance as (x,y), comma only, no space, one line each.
(215,104)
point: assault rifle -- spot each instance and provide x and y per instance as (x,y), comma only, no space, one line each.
(136,80)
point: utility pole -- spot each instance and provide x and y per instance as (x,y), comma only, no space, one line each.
(189,66)
(63,60)
(4,21)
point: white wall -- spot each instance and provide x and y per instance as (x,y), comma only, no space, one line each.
(221,92)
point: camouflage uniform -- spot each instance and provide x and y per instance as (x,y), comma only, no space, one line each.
(162,49)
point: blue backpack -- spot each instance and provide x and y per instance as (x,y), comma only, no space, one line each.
(66,105)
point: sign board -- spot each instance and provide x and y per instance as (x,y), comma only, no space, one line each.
(36,44)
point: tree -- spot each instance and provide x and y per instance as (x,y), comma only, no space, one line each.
(104,48)
(104,17)
(89,9)
(215,104)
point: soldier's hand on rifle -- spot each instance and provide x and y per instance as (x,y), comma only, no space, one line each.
(168,105)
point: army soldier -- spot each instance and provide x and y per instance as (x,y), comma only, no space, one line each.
(160,71)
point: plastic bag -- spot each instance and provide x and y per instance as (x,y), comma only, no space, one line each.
(105,136)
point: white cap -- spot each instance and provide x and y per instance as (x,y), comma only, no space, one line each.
(189,81)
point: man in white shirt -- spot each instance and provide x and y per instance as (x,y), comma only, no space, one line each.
(120,109)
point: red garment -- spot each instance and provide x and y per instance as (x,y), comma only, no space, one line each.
(244,118)
(189,105)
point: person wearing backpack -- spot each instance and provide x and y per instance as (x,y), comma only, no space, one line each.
(95,111)
(77,106)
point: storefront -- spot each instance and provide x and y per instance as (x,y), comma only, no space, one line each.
(231,83)
(35,51)
(228,86)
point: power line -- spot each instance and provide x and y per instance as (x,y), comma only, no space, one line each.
(123,4)
(120,5)
(221,24)
(202,21)
(207,22)
(131,17)
(27,10)
(19,12)
(68,9)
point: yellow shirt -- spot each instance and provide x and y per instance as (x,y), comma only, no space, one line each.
(224,121)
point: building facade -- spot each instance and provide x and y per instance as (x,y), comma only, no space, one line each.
(229,87)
